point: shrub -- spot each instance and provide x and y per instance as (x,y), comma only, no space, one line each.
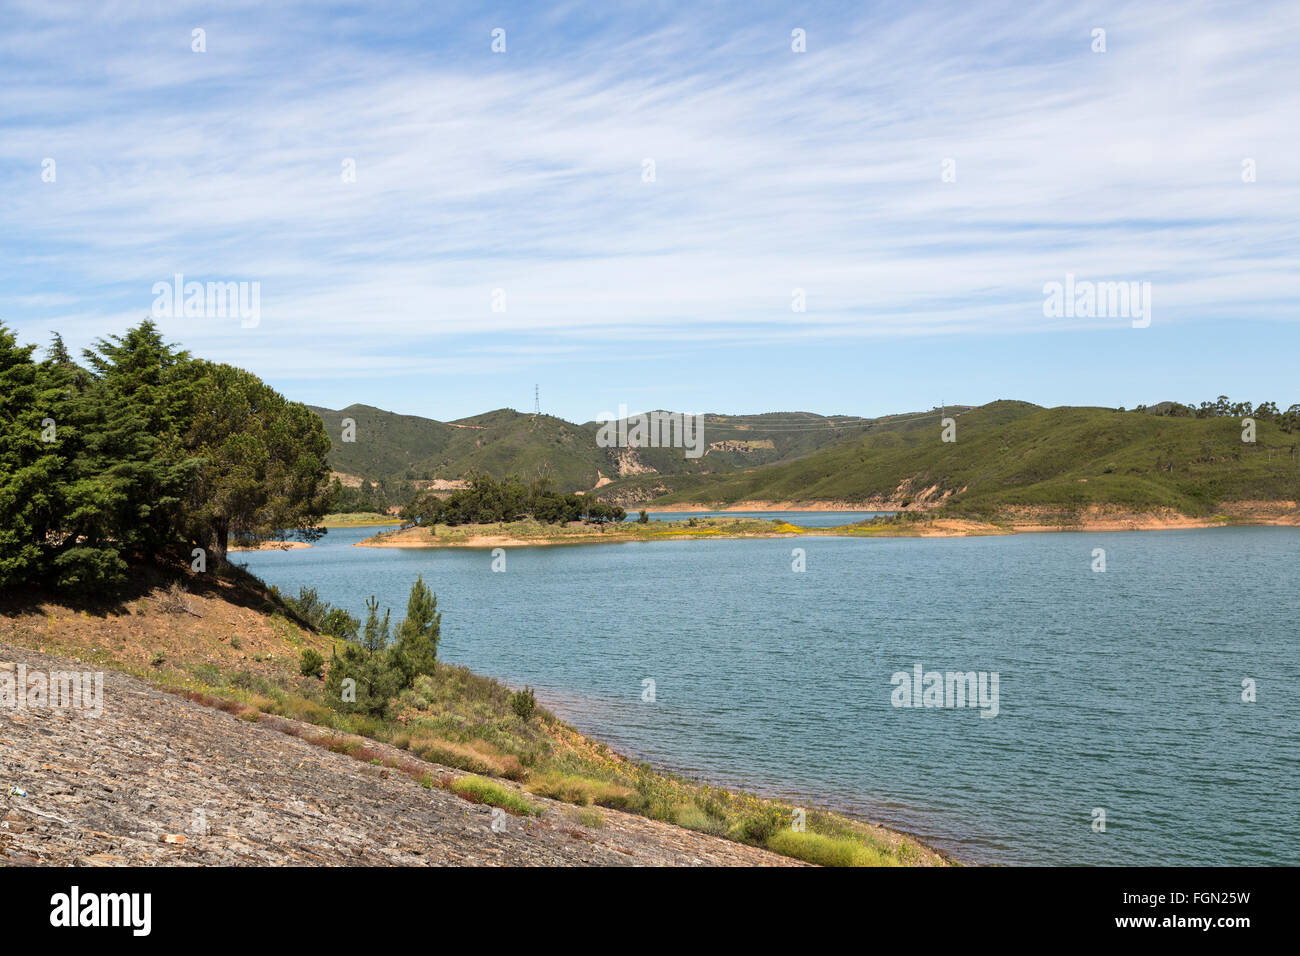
(523,703)
(374,683)
(759,826)
(321,616)
(311,662)
(210,675)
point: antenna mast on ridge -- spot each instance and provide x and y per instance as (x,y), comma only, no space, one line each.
(537,399)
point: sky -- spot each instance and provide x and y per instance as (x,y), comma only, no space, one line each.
(845,208)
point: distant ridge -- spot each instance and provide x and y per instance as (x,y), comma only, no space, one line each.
(1010,454)
(1007,454)
(411,450)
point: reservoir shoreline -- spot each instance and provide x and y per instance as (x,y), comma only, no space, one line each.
(754,694)
(721,525)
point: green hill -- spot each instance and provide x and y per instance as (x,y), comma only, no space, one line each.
(400,451)
(506,442)
(737,442)
(405,449)
(1016,454)
(386,445)
(1006,454)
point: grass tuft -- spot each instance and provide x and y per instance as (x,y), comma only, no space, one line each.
(827,850)
(481,790)
(584,791)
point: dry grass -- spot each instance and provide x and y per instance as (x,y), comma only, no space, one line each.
(474,757)
(584,791)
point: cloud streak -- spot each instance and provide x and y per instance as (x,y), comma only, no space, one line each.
(774,171)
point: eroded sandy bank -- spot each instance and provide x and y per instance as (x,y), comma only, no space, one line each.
(1011,521)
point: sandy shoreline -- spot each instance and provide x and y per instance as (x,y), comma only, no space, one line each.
(274,546)
(781,506)
(407,539)
(1017,521)
(490,541)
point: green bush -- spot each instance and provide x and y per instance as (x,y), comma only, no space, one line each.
(523,703)
(321,615)
(380,667)
(373,682)
(759,826)
(311,662)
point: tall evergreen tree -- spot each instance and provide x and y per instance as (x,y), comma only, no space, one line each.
(140,455)
(86,495)
(136,458)
(29,464)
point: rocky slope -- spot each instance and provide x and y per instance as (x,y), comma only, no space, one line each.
(159,780)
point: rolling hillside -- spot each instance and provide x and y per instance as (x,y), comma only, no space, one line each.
(408,450)
(1007,454)
(1015,454)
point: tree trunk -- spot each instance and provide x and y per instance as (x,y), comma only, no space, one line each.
(220,541)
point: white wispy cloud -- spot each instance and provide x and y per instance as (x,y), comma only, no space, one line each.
(774,171)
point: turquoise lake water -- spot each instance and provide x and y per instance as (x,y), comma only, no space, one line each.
(1118,690)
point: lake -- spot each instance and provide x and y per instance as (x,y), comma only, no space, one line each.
(1118,691)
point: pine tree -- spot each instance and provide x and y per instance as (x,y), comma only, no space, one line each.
(375,634)
(139,456)
(368,665)
(374,682)
(29,464)
(86,493)
(145,395)
(416,651)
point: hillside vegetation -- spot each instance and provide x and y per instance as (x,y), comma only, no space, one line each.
(398,454)
(395,451)
(228,642)
(1014,454)
(144,453)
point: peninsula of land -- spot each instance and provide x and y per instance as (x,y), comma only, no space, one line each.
(900,524)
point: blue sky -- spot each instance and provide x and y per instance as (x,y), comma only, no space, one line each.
(773,171)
